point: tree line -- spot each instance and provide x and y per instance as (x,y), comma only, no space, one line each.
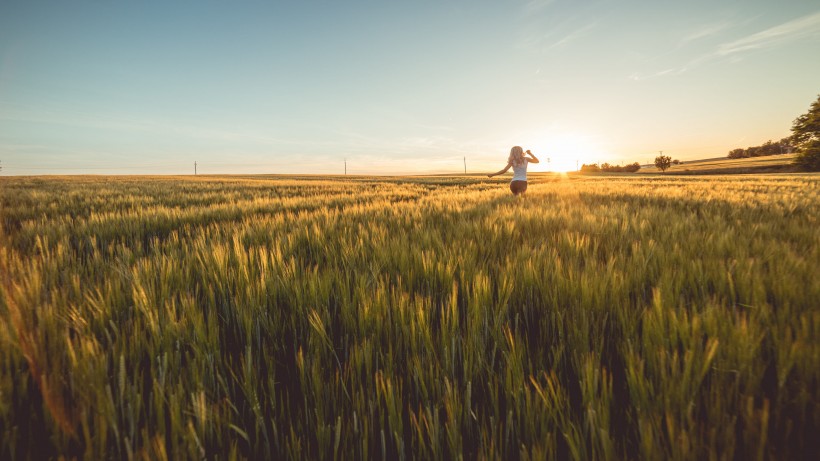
(805,140)
(606,167)
(784,146)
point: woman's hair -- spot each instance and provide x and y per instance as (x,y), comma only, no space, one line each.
(516,157)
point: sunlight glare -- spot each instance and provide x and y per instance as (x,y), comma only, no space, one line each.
(564,152)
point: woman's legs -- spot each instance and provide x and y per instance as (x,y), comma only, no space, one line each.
(518,187)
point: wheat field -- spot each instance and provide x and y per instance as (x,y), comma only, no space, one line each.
(399,318)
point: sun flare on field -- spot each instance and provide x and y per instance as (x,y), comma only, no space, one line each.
(565,152)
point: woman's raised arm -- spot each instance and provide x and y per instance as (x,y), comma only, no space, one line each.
(500,171)
(534,159)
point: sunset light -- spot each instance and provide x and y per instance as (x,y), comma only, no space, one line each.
(564,151)
(419,230)
(393,87)
(559,165)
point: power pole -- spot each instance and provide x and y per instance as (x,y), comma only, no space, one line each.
(465,165)
(345,167)
(194,168)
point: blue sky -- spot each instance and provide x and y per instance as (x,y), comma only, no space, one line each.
(394,87)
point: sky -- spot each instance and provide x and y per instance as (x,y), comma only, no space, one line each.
(394,87)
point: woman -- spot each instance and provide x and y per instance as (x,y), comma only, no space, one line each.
(518,161)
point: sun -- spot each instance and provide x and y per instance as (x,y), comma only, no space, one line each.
(560,165)
(565,152)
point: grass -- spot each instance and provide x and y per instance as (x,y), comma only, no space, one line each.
(427,318)
(769,164)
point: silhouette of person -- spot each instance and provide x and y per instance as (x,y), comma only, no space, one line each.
(518,160)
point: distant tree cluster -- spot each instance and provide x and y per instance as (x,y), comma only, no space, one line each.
(784,146)
(607,168)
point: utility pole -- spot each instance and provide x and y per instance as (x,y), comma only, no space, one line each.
(576,164)
(345,166)
(465,164)
(194,168)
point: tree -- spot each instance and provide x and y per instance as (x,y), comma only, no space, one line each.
(806,128)
(662,162)
(786,145)
(806,136)
(809,158)
(632,167)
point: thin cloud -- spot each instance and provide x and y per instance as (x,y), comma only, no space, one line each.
(806,26)
(705,31)
(574,35)
(119,123)
(673,71)
(534,6)
(556,38)
(798,28)
(434,127)
(546,26)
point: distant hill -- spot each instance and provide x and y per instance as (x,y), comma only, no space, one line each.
(725,165)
